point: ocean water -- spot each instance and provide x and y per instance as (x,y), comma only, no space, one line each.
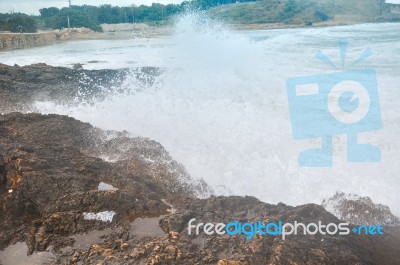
(221,106)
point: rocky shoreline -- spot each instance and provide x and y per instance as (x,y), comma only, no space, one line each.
(124,31)
(9,41)
(21,86)
(54,170)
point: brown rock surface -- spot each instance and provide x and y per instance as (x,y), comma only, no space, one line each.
(21,86)
(177,247)
(359,210)
(50,175)
(51,166)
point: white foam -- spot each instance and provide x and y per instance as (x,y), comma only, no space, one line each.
(106,216)
(105,186)
(221,109)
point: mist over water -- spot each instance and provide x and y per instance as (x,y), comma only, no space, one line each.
(220,108)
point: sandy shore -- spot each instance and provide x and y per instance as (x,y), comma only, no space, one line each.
(131,31)
(114,31)
(139,30)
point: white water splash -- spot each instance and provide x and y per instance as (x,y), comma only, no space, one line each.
(221,110)
(105,216)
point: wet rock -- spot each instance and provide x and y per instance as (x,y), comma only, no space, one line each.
(22,86)
(53,165)
(3,179)
(50,163)
(177,247)
(360,210)
(77,66)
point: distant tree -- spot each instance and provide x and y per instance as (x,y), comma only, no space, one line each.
(171,9)
(93,16)
(321,16)
(76,18)
(291,8)
(105,14)
(3,25)
(23,24)
(18,22)
(49,12)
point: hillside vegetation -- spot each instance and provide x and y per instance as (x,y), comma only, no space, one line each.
(294,12)
(17,23)
(298,11)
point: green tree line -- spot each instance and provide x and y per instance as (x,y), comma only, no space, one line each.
(92,16)
(18,22)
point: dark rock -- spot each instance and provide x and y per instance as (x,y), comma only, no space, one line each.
(3,179)
(360,210)
(22,86)
(51,167)
(177,247)
(77,66)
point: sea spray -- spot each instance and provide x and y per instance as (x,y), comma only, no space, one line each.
(220,108)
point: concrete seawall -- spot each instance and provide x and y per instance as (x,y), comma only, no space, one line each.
(10,41)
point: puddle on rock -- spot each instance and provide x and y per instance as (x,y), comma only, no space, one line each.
(143,227)
(140,227)
(86,240)
(16,255)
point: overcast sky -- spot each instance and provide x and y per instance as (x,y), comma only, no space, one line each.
(33,6)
